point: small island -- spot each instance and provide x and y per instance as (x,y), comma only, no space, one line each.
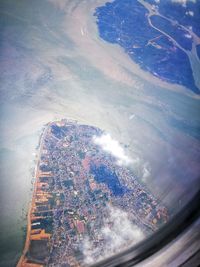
(75,183)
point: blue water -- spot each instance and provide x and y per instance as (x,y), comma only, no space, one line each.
(58,132)
(124,22)
(103,175)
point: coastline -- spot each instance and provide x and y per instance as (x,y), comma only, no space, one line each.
(22,260)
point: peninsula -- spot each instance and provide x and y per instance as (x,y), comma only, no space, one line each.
(76,181)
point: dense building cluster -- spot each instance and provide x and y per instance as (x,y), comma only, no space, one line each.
(76,181)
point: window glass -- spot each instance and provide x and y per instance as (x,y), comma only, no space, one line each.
(100,127)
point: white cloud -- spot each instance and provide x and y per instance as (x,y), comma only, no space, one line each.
(117,234)
(146,172)
(132,116)
(187,35)
(190,13)
(108,144)
(183,2)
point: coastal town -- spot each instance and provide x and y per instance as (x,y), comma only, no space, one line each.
(75,182)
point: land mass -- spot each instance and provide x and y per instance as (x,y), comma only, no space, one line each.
(75,183)
(168,47)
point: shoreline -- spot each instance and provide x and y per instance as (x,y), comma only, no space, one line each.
(22,260)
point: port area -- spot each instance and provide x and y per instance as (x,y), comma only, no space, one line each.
(37,238)
(75,183)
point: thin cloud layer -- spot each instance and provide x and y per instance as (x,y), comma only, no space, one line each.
(146,172)
(183,2)
(117,234)
(112,146)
